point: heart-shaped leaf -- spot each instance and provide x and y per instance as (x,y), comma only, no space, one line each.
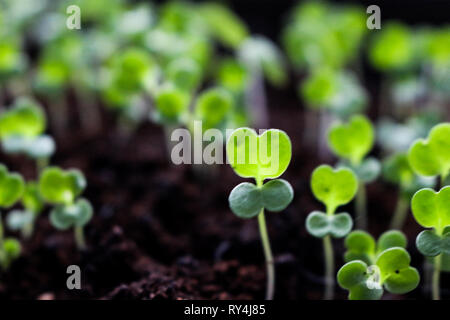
(36,147)
(185,73)
(171,104)
(352,141)
(361,245)
(261,157)
(431,209)
(398,277)
(78,214)
(320,224)
(61,187)
(25,119)
(431,244)
(368,171)
(353,276)
(333,187)
(11,187)
(32,199)
(247,200)
(431,157)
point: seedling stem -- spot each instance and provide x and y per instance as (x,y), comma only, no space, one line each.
(329,268)
(361,208)
(401,210)
(79,238)
(436,278)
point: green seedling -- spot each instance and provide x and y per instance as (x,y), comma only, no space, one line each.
(361,245)
(431,156)
(11,190)
(392,49)
(333,188)
(391,271)
(397,170)
(24,220)
(22,131)
(184,73)
(431,210)
(12,60)
(260,157)
(62,189)
(351,142)
(214,107)
(233,75)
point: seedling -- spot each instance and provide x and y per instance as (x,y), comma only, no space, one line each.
(397,170)
(333,188)
(33,204)
(352,142)
(431,210)
(22,131)
(431,156)
(62,189)
(249,156)
(11,189)
(391,272)
(184,73)
(213,107)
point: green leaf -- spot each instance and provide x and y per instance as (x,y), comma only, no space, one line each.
(320,224)
(213,106)
(184,73)
(367,171)
(261,157)
(276,195)
(396,169)
(319,88)
(429,243)
(42,146)
(61,187)
(431,209)
(32,198)
(431,157)
(11,187)
(353,140)
(17,219)
(11,251)
(232,75)
(78,214)
(360,245)
(247,200)
(391,239)
(353,276)
(25,119)
(333,187)
(171,105)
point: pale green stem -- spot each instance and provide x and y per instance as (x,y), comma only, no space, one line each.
(361,208)
(268,255)
(41,164)
(436,278)
(79,238)
(3,263)
(27,230)
(329,268)
(401,211)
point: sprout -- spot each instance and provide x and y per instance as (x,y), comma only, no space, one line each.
(431,210)
(21,131)
(213,108)
(391,272)
(247,200)
(232,75)
(62,189)
(172,105)
(392,48)
(397,170)
(185,73)
(431,156)
(333,188)
(12,60)
(224,25)
(11,190)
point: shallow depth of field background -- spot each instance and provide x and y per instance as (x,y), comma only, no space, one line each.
(166,231)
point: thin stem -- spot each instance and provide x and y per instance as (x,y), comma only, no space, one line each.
(27,229)
(361,208)
(329,268)
(436,278)
(3,263)
(401,211)
(41,164)
(268,254)
(79,238)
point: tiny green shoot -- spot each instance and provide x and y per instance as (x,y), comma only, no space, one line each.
(333,188)
(250,157)
(11,190)
(62,189)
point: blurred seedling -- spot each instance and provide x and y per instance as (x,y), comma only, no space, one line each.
(351,142)
(431,210)
(333,188)
(24,220)
(22,130)
(390,271)
(11,190)
(62,189)
(250,157)
(431,157)
(397,170)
